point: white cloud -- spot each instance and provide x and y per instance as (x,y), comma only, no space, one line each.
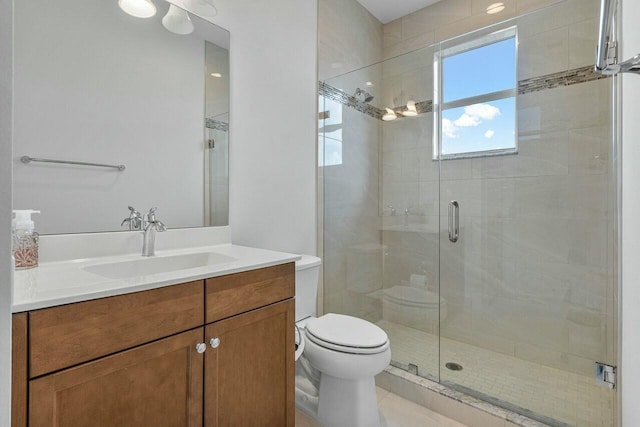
(482,111)
(449,129)
(466,120)
(473,116)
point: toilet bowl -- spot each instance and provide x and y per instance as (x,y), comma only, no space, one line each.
(340,357)
(416,307)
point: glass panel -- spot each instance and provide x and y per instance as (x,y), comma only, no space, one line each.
(479,127)
(381,207)
(332,131)
(529,285)
(492,68)
(524,301)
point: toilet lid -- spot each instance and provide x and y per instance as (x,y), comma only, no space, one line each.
(412,295)
(347,331)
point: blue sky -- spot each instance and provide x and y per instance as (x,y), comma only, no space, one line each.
(485,126)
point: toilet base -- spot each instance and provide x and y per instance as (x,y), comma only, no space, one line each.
(350,403)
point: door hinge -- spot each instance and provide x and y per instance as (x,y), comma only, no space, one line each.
(606,375)
(612,53)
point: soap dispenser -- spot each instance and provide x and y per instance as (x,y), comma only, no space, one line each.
(24,240)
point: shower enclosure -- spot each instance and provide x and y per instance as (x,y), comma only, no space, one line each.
(470,210)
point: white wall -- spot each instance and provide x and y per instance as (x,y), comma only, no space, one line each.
(630,389)
(6,28)
(136,96)
(273,152)
(273,122)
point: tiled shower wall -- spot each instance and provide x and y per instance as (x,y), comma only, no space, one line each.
(349,38)
(533,273)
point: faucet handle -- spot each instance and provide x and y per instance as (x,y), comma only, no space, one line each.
(151,216)
(134,219)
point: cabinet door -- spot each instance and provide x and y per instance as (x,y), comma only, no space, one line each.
(249,376)
(157,384)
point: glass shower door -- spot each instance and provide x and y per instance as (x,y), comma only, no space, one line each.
(527,208)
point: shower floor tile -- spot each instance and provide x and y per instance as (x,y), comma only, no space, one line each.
(563,396)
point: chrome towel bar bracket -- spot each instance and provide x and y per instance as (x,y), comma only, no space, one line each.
(607,49)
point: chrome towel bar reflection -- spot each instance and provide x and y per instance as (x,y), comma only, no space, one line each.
(27,159)
(607,49)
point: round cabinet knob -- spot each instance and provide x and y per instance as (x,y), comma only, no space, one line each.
(215,342)
(201,347)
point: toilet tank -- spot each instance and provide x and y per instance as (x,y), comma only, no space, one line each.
(307,275)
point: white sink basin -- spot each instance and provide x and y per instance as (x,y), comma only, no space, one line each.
(157,264)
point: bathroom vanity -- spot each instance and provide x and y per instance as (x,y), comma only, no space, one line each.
(216,348)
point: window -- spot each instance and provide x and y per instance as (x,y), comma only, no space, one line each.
(330,133)
(476,92)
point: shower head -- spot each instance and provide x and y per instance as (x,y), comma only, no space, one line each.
(366,96)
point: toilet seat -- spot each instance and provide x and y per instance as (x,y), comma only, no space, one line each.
(347,334)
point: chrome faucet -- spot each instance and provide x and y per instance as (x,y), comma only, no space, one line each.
(134,220)
(151,226)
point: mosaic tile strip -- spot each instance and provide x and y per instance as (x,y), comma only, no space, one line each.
(564,78)
(216,124)
(535,84)
(349,101)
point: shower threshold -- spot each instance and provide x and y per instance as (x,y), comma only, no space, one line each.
(423,386)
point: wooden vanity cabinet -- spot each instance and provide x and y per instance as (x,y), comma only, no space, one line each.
(249,379)
(157,384)
(151,358)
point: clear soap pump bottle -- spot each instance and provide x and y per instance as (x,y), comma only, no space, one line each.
(24,240)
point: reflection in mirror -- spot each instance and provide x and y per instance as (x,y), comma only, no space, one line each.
(94,84)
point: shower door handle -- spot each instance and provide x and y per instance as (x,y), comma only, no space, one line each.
(454,221)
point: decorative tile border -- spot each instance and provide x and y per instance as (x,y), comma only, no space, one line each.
(564,78)
(349,101)
(216,124)
(535,84)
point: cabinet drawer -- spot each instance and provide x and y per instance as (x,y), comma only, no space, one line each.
(60,337)
(237,293)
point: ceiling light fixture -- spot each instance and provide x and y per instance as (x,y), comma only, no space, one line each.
(369,83)
(204,8)
(177,21)
(495,8)
(411,110)
(138,8)
(389,115)
(218,75)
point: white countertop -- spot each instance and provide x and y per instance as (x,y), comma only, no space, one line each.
(63,282)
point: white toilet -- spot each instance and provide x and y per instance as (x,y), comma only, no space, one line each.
(337,359)
(418,308)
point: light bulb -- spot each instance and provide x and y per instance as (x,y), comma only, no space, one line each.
(177,21)
(138,8)
(389,115)
(204,8)
(411,109)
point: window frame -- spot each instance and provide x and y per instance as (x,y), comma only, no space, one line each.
(440,106)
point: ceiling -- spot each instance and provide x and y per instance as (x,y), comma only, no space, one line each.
(389,10)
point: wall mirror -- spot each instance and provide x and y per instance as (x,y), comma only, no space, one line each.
(94,84)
